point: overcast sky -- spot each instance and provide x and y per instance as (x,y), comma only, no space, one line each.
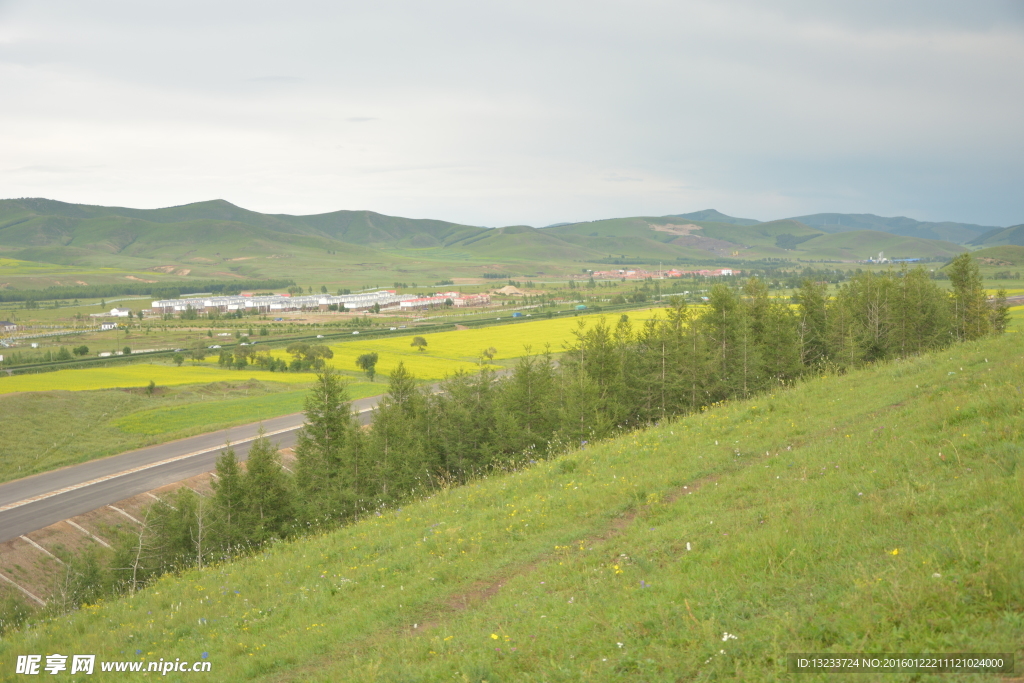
(500,113)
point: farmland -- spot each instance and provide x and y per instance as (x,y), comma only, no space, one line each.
(126,376)
(664,554)
(449,352)
(43,431)
(64,417)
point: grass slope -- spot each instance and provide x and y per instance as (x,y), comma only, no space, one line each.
(716,217)
(1013,235)
(218,239)
(1009,254)
(876,512)
(900,225)
(861,244)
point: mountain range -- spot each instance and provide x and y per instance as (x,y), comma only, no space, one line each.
(217,237)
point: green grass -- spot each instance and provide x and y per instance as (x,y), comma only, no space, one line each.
(43,431)
(1009,254)
(874,512)
(218,414)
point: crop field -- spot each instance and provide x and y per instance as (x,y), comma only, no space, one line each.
(232,411)
(888,521)
(126,376)
(447,352)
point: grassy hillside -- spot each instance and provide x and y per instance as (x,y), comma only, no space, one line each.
(861,244)
(523,243)
(900,225)
(217,239)
(1013,235)
(1009,255)
(716,217)
(874,512)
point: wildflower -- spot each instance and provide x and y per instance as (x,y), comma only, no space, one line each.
(619,644)
(728,636)
(894,551)
(494,636)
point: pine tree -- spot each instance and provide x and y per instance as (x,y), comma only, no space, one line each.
(1000,314)
(324,463)
(395,447)
(968,303)
(229,502)
(267,496)
(812,321)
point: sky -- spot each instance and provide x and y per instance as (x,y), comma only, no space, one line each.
(525,112)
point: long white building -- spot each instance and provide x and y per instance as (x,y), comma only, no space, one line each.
(280,303)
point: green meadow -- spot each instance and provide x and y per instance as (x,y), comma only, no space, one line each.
(94,424)
(878,511)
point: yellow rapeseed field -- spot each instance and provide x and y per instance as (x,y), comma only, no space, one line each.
(448,351)
(136,376)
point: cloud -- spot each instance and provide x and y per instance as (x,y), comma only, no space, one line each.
(276,79)
(505,113)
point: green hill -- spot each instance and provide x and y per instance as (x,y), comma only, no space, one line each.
(877,511)
(713,216)
(522,242)
(667,236)
(1009,255)
(862,244)
(960,233)
(219,239)
(1013,235)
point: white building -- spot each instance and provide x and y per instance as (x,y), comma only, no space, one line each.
(113,313)
(280,302)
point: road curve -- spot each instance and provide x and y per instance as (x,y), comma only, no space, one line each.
(41,500)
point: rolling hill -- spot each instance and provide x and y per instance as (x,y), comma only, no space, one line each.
(1007,255)
(787,238)
(713,216)
(960,233)
(998,236)
(218,239)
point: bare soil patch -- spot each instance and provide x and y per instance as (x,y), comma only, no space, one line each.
(675,229)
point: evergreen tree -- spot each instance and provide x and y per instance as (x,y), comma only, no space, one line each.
(267,495)
(234,525)
(325,465)
(1000,314)
(812,320)
(968,303)
(394,448)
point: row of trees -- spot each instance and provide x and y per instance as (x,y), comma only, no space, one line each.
(614,376)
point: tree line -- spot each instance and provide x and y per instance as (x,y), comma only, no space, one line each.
(161,290)
(613,376)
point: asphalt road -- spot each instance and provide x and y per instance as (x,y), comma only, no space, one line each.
(35,502)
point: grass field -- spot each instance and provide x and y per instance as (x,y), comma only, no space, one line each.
(42,431)
(232,411)
(874,512)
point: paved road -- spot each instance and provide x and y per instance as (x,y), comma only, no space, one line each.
(35,502)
